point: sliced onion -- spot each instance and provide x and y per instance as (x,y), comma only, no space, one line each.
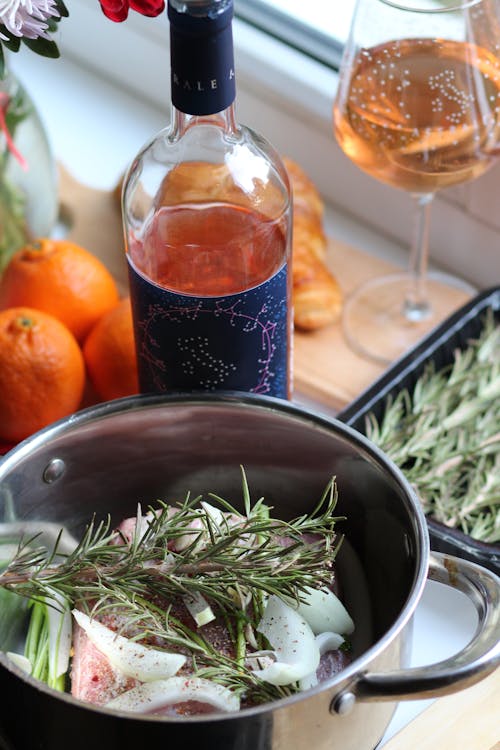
(60,635)
(143,663)
(326,642)
(20,661)
(199,609)
(161,693)
(324,612)
(293,641)
(196,530)
(216,515)
(329,642)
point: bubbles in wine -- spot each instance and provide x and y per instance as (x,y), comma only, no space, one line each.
(421,113)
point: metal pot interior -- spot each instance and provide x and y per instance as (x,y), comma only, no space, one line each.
(147,448)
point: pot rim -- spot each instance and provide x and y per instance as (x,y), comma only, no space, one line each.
(138,402)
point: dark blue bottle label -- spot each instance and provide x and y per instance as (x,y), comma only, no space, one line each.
(202,61)
(236,342)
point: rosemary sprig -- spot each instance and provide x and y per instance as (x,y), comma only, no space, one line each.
(445,436)
(213,569)
(232,559)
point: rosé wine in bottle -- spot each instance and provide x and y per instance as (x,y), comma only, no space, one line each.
(207,219)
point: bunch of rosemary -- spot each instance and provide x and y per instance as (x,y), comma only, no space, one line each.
(231,567)
(445,436)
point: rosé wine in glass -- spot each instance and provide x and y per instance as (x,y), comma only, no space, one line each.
(418,108)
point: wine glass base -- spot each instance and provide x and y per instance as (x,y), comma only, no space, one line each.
(382,323)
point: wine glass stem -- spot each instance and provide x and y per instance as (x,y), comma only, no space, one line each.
(417,306)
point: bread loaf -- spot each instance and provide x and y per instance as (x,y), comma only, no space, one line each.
(317,297)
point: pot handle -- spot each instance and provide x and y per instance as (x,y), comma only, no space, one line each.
(473,663)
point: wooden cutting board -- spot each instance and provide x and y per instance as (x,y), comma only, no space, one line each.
(325,369)
(467,720)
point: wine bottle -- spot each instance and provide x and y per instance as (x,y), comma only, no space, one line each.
(207,221)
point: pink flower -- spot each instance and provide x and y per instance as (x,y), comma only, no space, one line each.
(27,18)
(117,10)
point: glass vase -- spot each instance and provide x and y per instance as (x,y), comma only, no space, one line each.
(28,172)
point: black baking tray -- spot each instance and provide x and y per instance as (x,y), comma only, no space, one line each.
(439,346)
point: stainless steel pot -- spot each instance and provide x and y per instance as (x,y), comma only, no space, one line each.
(109,457)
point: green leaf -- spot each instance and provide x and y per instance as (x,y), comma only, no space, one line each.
(12,42)
(44,47)
(62,8)
(2,63)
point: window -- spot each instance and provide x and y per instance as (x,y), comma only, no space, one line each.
(317,27)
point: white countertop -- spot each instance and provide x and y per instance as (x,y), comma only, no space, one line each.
(95,129)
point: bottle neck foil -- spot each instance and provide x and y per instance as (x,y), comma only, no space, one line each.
(202,57)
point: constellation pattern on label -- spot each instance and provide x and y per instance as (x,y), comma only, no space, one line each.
(238,342)
(211,371)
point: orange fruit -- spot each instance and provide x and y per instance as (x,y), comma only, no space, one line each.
(62,279)
(109,353)
(42,372)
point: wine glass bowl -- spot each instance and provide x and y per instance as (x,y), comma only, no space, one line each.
(417,108)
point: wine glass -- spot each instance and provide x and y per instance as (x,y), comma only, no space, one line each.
(418,108)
